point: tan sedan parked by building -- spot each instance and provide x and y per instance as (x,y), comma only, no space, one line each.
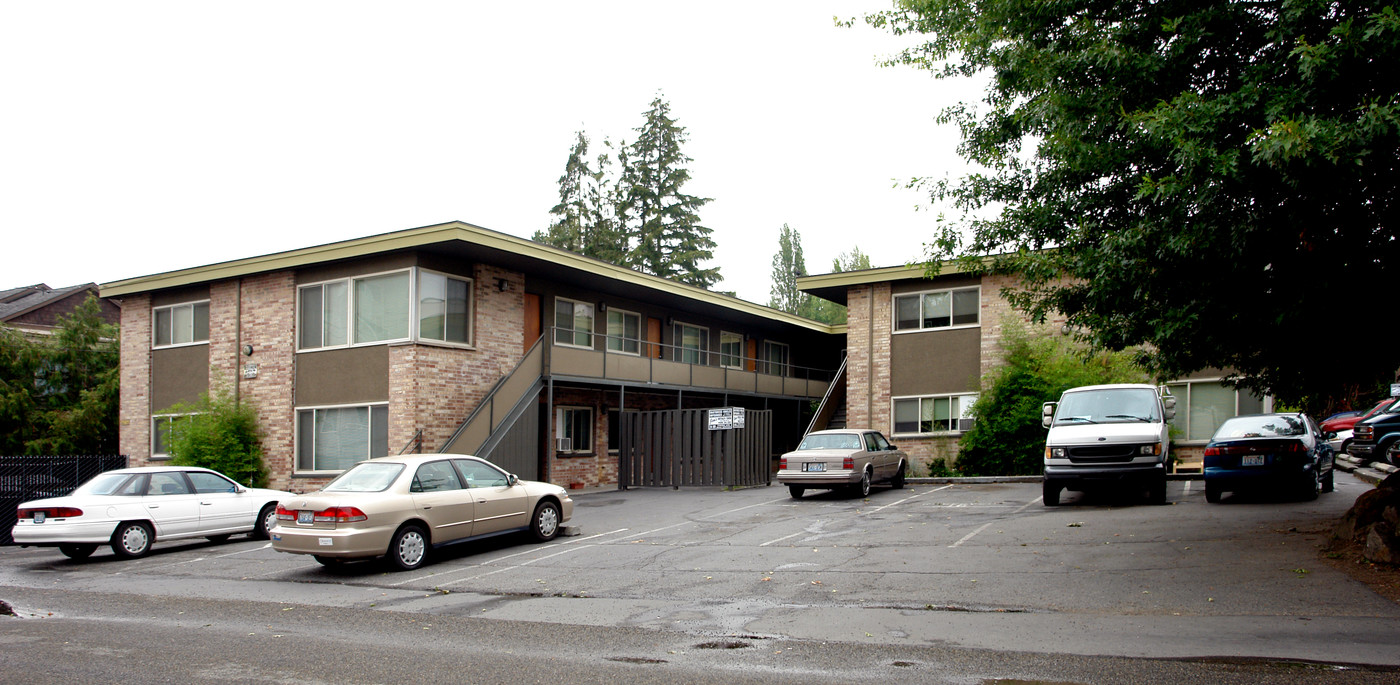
(842,459)
(403,507)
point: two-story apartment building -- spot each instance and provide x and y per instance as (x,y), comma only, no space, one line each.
(918,349)
(451,338)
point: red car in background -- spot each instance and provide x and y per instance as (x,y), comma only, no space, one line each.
(1345,423)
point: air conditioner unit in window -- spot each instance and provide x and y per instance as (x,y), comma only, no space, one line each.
(965,424)
(563,444)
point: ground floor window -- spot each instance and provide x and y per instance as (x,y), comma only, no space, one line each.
(615,429)
(932,414)
(163,430)
(335,438)
(1201,406)
(573,430)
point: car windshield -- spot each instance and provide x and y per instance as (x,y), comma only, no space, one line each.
(103,484)
(1264,426)
(1108,405)
(831,441)
(365,477)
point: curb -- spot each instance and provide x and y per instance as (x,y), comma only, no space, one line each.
(978,480)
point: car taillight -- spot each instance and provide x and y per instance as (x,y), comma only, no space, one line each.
(285,514)
(339,515)
(848,463)
(782,464)
(51,512)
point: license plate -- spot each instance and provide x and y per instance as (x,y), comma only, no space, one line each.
(38,517)
(1252,460)
(306,518)
(814,466)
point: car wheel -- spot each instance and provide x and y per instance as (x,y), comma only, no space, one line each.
(77,551)
(328,561)
(796,491)
(862,489)
(1212,492)
(1329,481)
(1158,494)
(898,481)
(1050,493)
(267,519)
(545,523)
(132,539)
(216,538)
(1312,486)
(409,548)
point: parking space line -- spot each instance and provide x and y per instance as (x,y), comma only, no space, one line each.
(508,556)
(802,532)
(983,527)
(512,568)
(906,499)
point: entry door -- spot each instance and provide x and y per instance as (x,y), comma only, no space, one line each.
(654,336)
(532,319)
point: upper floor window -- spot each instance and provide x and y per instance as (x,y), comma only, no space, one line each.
(624,331)
(731,350)
(776,358)
(181,324)
(382,307)
(691,343)
(444,308)
(937,309)
(573,323)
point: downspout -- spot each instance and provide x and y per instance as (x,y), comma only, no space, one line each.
(238,344)
(870,358)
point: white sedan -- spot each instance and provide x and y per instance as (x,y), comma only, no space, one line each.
(130,509)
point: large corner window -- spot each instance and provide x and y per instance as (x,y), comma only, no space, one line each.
(937,309)
(691,343)
(573,323)
(164,428)
(932,414)
(777,358)
(624,331)
(444,308)
(335,438)
(380,305)
(731,350)
(573,430)
(181,324)
(1201,406)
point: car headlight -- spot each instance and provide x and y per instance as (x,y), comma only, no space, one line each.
(1153,449)
(1054,453)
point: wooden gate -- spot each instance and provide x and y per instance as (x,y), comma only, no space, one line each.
(675,447)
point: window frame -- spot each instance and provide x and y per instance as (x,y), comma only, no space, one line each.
(678,335)
(193,306)
(163,456)
(592,317)
(965,401)
(922,295)
(725,357)
(1183,408)
(610,338)
(784,366)
(297,469)
(559,428)
(416,316)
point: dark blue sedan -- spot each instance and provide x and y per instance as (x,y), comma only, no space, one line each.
(1271,452)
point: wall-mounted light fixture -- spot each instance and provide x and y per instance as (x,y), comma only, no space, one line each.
(247,350)
(670,321)
(602,306)
(502,285)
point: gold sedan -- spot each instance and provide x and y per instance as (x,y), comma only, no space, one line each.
(404,507)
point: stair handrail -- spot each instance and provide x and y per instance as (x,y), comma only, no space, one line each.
(489,397)
(826,397)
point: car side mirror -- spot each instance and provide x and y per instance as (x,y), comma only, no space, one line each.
(1047,413)
(892,447)
(512,479)
(1169,407)
(1329,435)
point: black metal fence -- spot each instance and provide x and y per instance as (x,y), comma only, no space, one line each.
(25,478)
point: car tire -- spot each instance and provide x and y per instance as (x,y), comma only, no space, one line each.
(546,521)
(132,539)
(266,521)
(1312,486)
(862,489)
(1329,481)
(408,549)
(217,538)
(77,551)
(898,481)
(1158,494)
(328,561)
(1213,492)
(796,491)
(1050,493)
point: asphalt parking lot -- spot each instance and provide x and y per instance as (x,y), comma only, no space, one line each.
(967,565)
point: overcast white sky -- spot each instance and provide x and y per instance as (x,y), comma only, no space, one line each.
(141,137)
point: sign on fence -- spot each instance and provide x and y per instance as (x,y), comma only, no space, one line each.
(725,418)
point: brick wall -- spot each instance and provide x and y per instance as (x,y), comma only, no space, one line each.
(269,325)
(134,413)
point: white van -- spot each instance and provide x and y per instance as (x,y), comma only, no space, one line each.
(1108,435)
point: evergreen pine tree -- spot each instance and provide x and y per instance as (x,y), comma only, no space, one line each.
(568,231)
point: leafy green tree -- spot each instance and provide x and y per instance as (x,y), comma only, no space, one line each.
(827,311)
(667,237)
(219,433)
(1210,181)
(59,394)
(788,266)
(1006,438)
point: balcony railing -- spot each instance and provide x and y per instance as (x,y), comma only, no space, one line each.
(677,365)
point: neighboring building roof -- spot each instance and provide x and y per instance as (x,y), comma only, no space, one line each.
(469,242)
(833,286)
(17,302)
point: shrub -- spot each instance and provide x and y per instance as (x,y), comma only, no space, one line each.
(220,434)
(1007,439)
(938,468)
